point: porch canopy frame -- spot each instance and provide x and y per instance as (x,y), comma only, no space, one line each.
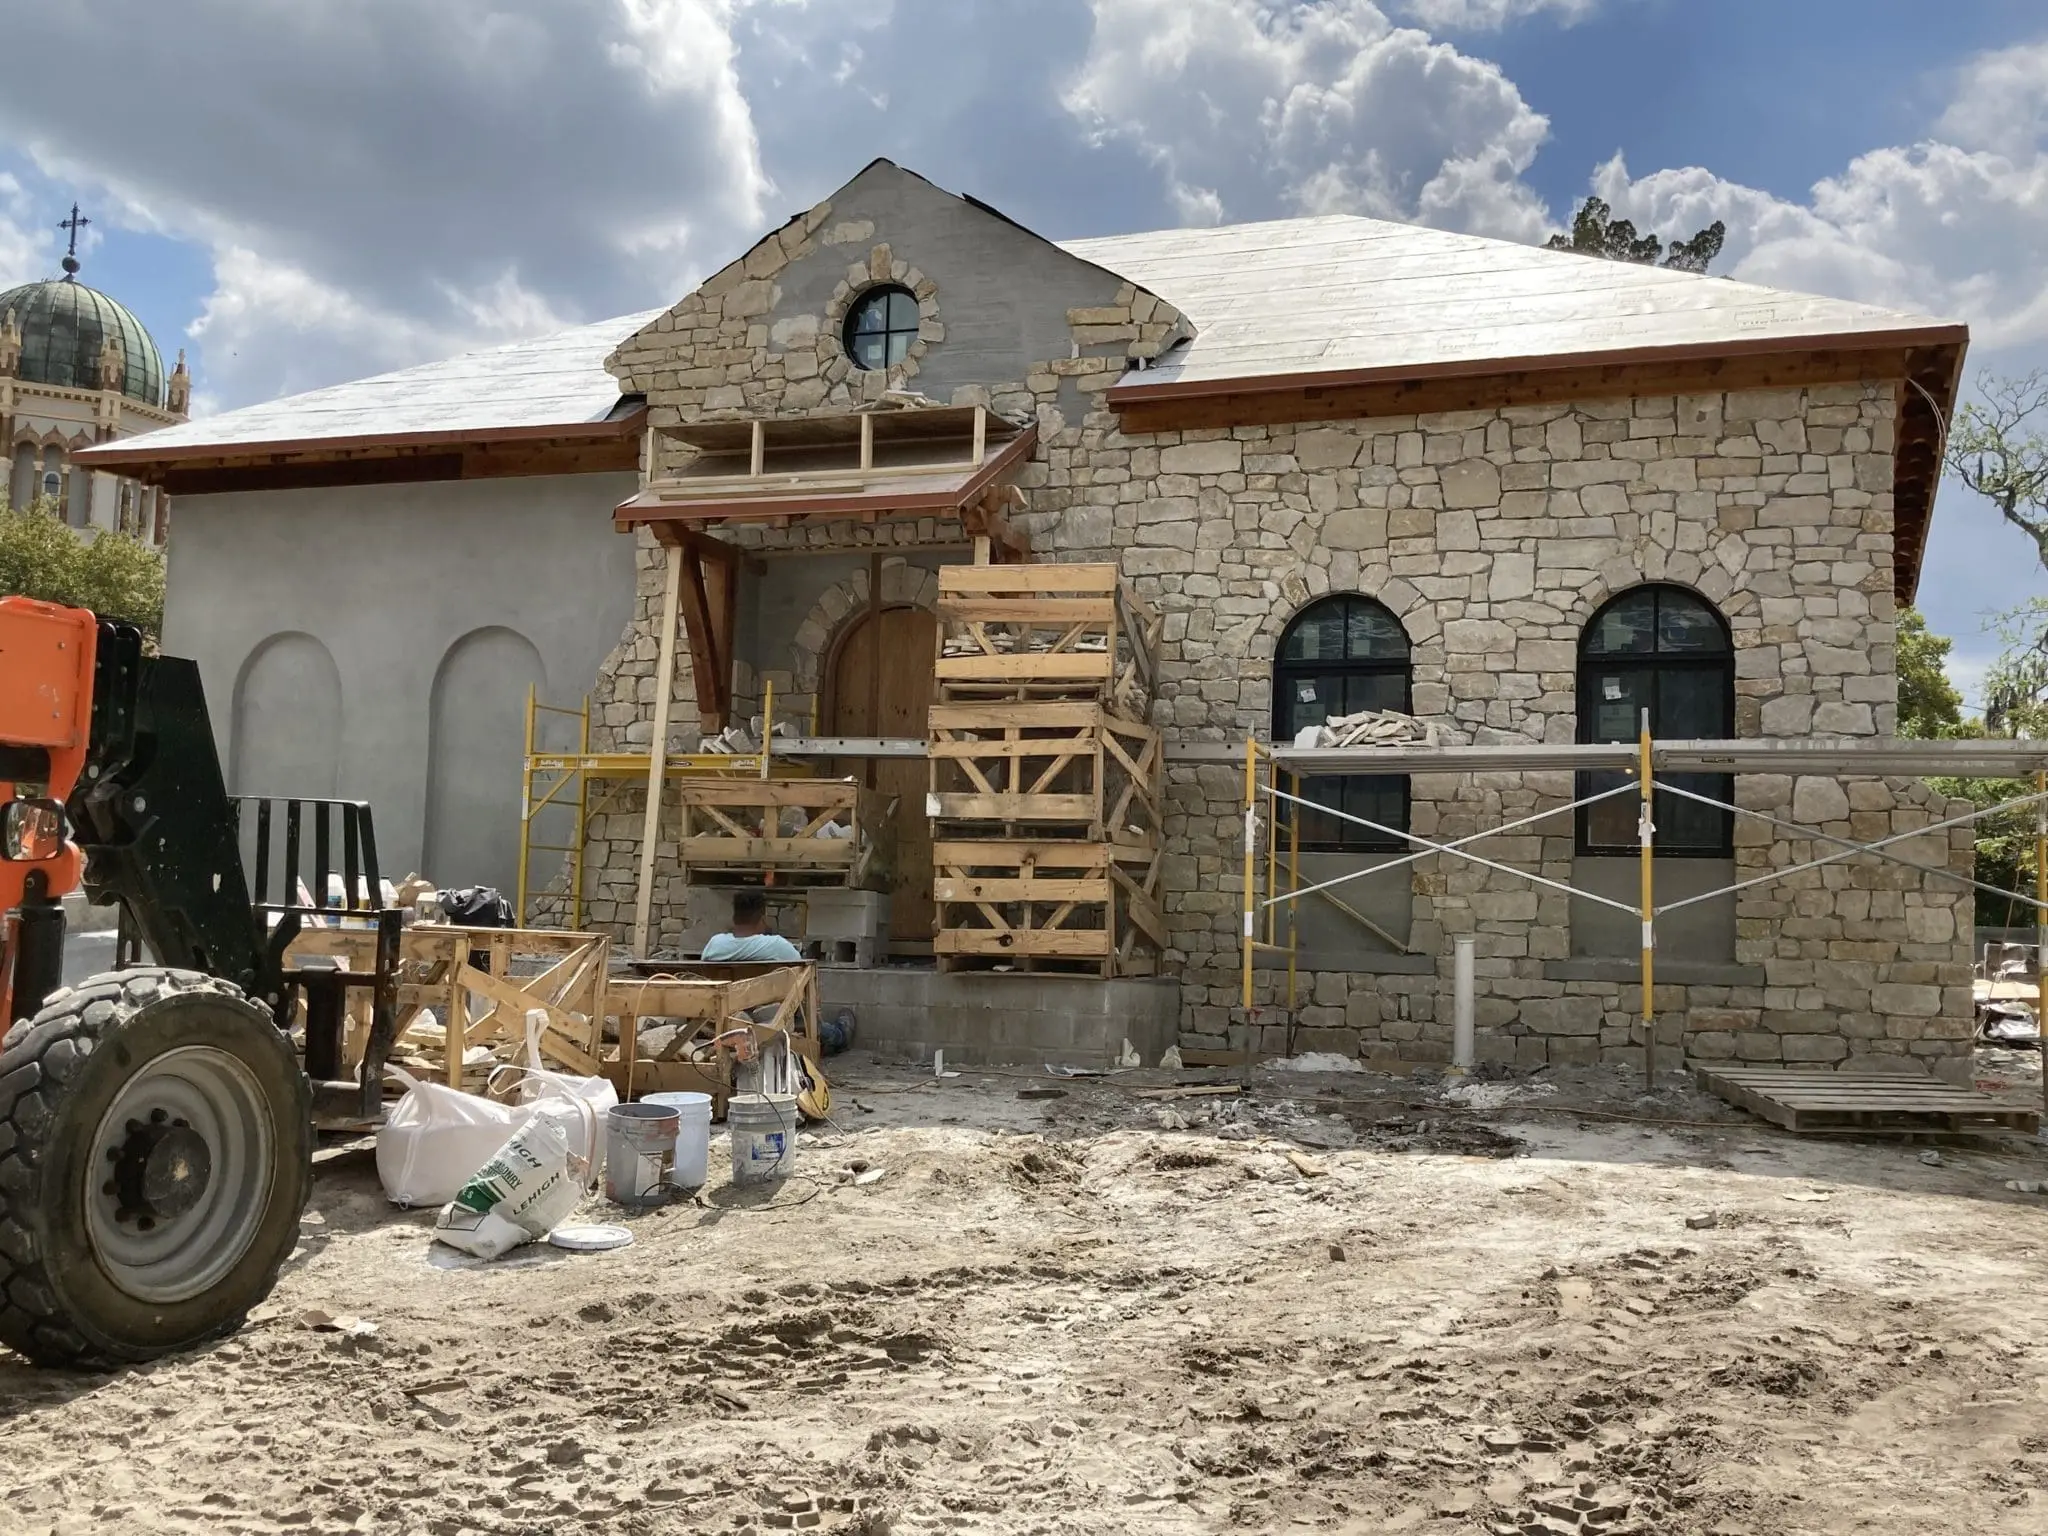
(896,460)
(1877,757)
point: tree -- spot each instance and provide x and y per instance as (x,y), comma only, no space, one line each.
(1996,450)
(1929,705)
(116,577)
(1596,232)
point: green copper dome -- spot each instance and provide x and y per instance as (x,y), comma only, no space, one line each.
(64,324)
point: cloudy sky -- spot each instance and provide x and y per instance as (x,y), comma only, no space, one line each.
(307,192)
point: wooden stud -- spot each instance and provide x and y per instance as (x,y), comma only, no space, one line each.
(657,755)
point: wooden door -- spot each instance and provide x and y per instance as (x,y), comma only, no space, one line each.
(859,702)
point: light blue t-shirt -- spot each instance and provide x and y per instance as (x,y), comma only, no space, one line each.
(755,946)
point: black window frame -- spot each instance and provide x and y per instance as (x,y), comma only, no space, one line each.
(858,310)
(1667,812)
(1370,790)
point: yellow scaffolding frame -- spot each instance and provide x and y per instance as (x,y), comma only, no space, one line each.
(597,778)
(1645,787)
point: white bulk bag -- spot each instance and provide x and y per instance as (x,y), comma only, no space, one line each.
(435,1137)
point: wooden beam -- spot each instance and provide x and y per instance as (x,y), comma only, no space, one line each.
(657,751)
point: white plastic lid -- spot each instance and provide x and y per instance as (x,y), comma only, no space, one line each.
(593,1238)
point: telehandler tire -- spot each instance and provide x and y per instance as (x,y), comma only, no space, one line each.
(156,1151)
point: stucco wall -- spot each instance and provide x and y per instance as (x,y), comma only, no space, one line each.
(294,601)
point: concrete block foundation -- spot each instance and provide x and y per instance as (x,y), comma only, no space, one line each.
(1005,1020)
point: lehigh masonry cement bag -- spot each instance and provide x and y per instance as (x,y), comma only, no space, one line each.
(520,1194)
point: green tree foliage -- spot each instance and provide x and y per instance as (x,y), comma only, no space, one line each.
(1929,705)
(116,577)
(1596,232)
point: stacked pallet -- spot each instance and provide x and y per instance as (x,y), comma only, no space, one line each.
(1045,774)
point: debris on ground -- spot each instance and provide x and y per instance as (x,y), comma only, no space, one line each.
(1050,1315)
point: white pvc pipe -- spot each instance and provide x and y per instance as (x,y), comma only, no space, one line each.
(1462,947)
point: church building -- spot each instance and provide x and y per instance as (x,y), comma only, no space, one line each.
(1525,496)
(77,369)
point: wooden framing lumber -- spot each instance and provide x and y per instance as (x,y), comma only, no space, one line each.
(1046,764)
(1032,632)
(1032,907)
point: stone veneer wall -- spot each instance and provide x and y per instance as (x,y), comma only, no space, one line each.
(1493,535)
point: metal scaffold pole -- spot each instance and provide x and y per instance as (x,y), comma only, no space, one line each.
(1251,844)
(1646,831)
(2041,912)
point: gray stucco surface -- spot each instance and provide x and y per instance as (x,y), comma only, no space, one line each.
(382,591)
(1003,292)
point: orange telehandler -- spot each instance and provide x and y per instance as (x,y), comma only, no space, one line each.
(157,1122)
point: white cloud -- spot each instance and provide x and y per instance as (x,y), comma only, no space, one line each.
(1326,108)
(1490,15)
(1955,225)
(25,252)
(382,181)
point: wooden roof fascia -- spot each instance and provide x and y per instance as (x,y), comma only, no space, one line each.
(137,457)
(1136,388)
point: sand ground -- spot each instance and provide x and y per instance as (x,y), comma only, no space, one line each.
(1362,1306)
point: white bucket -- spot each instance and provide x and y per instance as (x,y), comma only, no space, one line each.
(763,1127)
(693,1135)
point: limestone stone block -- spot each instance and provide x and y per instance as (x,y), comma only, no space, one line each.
(1471,483)
(1788,715)
(1930,925)
(1818,800)
(1899,998)
(1355,528)
(1220,456)
(1836,718)
(1513,576)
(1325,448)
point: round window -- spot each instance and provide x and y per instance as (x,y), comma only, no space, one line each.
(881,326)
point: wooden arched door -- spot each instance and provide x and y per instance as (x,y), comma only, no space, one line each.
(880,684)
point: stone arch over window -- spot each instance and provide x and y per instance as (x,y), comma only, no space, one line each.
(1664,653)
(476,735)
(287,719)
(1338,656)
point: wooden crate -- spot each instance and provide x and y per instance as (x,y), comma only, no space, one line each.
(711,1004)
(1815,1101)
(1037,907)
(1019,632)
(1076,769)
(761,830)
(479,984)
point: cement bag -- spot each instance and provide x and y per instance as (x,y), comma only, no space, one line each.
(539,1082)
(522,1193)
(436,1137)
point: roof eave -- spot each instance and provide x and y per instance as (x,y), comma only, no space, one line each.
(1135,389)
(136,454)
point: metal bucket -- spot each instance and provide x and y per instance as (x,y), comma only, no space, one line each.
(763,1127)
(640,1150)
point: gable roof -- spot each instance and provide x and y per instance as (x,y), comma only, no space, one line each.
(1348,299)
(551,387)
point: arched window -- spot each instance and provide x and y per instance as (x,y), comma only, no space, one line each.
(1337,657)
(1666,651)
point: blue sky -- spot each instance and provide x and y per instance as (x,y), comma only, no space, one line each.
(301,194)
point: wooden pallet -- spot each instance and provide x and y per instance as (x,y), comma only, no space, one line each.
(753,831)
(1024,632)
(1819,1102)
(1047,907)
(1071,767)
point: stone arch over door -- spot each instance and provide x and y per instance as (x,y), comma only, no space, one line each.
(476,738)
(287,720)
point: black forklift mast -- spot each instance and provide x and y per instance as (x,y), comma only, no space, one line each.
(163,840)
(151,810)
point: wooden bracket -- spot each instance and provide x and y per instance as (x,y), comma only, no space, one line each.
(709,603)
